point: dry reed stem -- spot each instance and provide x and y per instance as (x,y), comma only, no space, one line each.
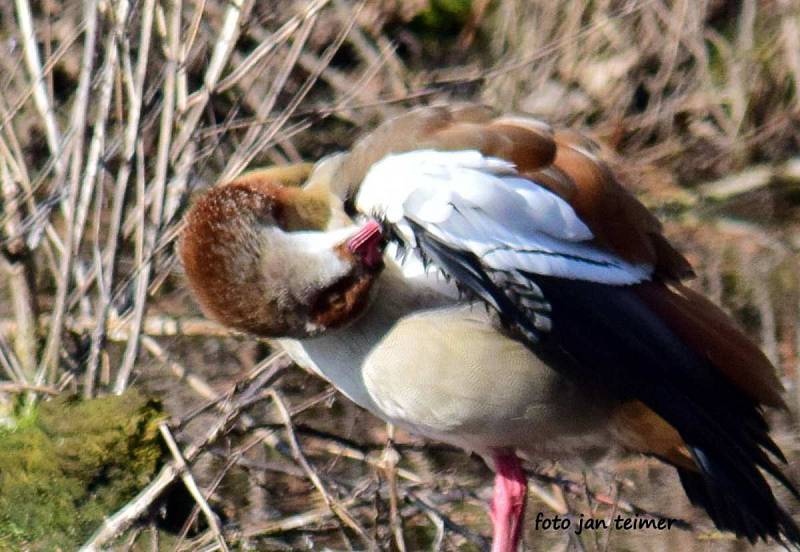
(299,521)
(24,387)
(148,241)
(235,11)
(266,46)
(118,329)
(339,509)
(141,280)
(248,148)
(389,459)
(9,362)
(40,96)
(123,518)
(23,298)
(188,480)
(422,500)
(48,366)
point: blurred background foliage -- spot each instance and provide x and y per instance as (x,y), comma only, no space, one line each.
(113,113)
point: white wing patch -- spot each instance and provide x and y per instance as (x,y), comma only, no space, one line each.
(480,204)
(391,180)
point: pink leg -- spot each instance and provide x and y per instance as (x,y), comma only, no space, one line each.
(508,503)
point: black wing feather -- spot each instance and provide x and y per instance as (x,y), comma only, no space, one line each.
(607,336)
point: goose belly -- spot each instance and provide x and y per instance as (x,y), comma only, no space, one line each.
(450,374)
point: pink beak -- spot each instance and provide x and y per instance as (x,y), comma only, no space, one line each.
(366,244)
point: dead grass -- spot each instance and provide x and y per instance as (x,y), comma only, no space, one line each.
(112,113)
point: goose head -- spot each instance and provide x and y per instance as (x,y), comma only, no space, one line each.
(260,257)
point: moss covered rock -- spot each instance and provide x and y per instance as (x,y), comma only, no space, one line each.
(71,464)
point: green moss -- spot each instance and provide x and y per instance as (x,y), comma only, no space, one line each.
(73,464)
(443,16)
(419,536)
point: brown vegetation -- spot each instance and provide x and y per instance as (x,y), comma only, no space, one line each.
(113,112)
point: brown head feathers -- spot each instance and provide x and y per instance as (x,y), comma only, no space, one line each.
(257,259)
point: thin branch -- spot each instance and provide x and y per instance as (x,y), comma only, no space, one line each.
(24,387)
(228,34)
(298,521)
(277,38)
(335,506)
(191,485)
(23,299)
(157,190)
(118,329)
(390,458)
(40,96)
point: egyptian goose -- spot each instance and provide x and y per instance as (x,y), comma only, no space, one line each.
(590,338)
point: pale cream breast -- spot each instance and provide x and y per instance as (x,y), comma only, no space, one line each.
(452,375)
